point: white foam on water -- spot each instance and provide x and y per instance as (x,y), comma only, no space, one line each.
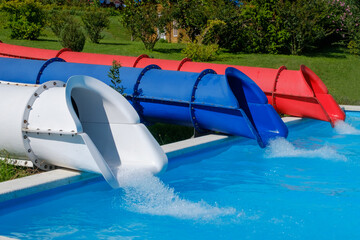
(280,147)
(147,194)
(344,128)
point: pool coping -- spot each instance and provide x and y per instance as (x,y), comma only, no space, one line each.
(25,186)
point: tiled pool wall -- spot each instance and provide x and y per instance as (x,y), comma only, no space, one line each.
(60,177)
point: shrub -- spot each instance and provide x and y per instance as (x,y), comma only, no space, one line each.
(345,18)
(145,20)
(162,41)
(304,24)
(72,36)
(199,52)
(214,31)
(26,18)
(114,75)
(58,20)
(169,133)
(354,47)
(95,21)
(9,171)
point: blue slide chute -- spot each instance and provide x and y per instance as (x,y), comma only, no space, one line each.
(231,103)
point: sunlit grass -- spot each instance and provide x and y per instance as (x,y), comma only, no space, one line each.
(9,171)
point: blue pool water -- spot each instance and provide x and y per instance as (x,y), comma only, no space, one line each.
(305,187)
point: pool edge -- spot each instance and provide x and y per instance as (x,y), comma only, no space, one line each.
(25,186)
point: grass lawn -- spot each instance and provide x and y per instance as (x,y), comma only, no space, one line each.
(339,70)
(10,171)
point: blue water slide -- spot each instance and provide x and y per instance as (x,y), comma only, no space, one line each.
(231,103)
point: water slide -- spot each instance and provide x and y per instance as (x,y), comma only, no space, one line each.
(83,124)
(231,103)
(298,93)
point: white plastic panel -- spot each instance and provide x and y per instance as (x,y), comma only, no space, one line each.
(13,100)
(138,148)
(97,102)
(50,112)
(64,151)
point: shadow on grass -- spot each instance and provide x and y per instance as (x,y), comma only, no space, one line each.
(328,52)
(114,44)
(168,50)
(45,40)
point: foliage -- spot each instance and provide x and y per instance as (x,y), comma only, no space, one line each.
(282,26)
(304,25)
(95,21)
(114,75)
(72,36)
(26,18)
(201,53)
(145,20)
(354,47)
(270,26)
(277,26)
(346,16)
(192,16)
(168,133)
(77,3)
(9,171)
(197,51)
(214,31)
(58,20)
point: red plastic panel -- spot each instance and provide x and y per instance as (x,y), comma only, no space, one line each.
(26,52)
(313,80)
(293,83)
(301,107)
(93,58)
(163,64)
(331,107)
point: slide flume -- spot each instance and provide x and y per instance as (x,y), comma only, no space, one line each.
(83,124)
(231,103)
(298,93)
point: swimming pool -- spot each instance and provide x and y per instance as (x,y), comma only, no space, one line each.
(305,187)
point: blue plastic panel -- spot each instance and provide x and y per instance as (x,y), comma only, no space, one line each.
(231,103)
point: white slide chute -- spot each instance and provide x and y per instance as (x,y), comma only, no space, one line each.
(83,124)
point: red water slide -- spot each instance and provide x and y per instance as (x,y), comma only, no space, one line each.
(298,93)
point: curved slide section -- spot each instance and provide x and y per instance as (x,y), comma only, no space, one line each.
(231,103)
(298,93)
(83,125)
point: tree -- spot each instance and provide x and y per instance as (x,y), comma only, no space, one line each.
(95,21)
(305,24)
(192,16)
(72,36)
(57,20)
(26,18)
(145,20)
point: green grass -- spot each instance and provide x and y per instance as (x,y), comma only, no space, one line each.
(9,171)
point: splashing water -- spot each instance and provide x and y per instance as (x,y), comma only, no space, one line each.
(342,127)
(281,147)
(145,193)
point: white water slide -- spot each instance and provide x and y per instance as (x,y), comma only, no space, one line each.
(83,124)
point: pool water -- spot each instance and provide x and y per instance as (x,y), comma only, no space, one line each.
(305,187)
